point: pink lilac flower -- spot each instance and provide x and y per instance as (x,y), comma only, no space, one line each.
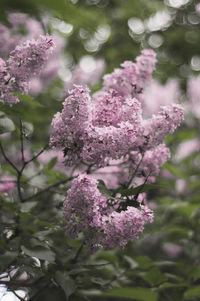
(87,211)
(120,227)
(51,67)
(27,59)
(150,163)
(162,124)
(69,127)
(22,27)
(25,28)
(129,81)
(97,134)
(24,62)
(107,128)
(84,207)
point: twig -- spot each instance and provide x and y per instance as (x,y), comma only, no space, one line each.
(136,196)
(74,260)
(19,185)
(16,283)
(20,298)
(48,188)
(32,177)
(22,140)
(7,159)
(135,171)
(37,155)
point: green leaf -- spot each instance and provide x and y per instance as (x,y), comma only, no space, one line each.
(25,217)
(26,207)
(155,277)
(40,253)
(144,262)
(195,274)
(6,125)
(186,208)
(103,189)
(138,189)
(29,99)
(136,293)
(192,293)
(51,164)
(133,264)
(171,285)
(66,283)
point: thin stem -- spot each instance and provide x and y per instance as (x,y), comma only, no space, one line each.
(19,186)
(136,196)
(16,283)
(37,155)
(135,171)
(20,298)
(74,260)
(88,171)
(22,140)
(48,188)
(19,172)
(115,277)
(32,177)
(7,159)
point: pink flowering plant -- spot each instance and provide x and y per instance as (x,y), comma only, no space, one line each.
(94,182)
(94,132)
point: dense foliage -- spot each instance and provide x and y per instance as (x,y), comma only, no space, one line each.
(93,206)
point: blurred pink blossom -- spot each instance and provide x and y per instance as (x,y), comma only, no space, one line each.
(172,250)
(157,95)
(186,148)
(193,94)
(7,184)
(86,74)
(197,7)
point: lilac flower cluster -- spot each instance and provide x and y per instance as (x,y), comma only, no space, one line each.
(129,81)
(87,211)
(108,127)
(107,131)
(24,62)
(21,27)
